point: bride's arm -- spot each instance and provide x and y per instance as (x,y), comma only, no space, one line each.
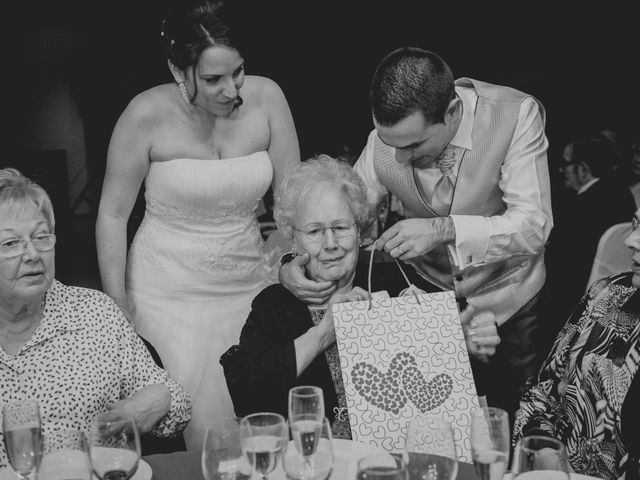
(127,165)
(284,150)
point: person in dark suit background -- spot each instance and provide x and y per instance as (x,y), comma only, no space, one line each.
(600,201)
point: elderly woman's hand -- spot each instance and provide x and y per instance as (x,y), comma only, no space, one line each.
(480,333)
(326,325)
(147,406)
(292,277)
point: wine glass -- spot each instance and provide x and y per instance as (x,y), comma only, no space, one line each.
(540,457)
(317,466)
(264,438)
(65,455)
(222,452)
(114,444)
(22,436)
(490,442)
(430,449)
(306,414)
(382,466)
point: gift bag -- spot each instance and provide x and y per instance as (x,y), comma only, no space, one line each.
(404,357)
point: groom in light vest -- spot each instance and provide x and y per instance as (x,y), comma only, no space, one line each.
(468,161)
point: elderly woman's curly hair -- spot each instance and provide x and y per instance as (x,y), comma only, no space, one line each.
(17,192)
(314,172)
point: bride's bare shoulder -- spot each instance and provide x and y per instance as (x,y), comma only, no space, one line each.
(262,89)
(153,103)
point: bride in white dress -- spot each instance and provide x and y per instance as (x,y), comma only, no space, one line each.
(207,148)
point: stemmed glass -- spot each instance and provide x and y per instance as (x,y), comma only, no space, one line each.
(540,457)
(264,438)
(430,449)
(22,436)
(490,442)
(65,455)
(318,466)
(114,444)
(222,452)
(306,415)
(382,466)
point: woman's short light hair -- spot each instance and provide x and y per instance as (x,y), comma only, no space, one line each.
(314,172)
(18,192)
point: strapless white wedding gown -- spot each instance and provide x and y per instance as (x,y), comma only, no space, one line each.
(193,269)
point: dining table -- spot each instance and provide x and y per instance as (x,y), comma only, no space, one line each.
(188,466)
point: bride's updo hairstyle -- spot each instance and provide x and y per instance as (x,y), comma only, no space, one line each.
(189,28)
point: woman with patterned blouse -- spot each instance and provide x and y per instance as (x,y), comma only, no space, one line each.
(587,393)
(69,348)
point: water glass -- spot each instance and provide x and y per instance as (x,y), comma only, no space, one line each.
(22,436)
(430,449)
(306,400)
(114,445)
(298,465)
(382,466)
(538,457)
(490,442)
(264,438)
(222,456)
(65,456)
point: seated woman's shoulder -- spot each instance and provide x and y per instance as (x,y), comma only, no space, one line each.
(274,293)
(87,303)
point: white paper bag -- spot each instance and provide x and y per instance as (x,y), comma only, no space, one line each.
(401,358)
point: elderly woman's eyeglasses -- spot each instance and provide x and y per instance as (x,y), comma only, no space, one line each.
(14,247)
(339,230)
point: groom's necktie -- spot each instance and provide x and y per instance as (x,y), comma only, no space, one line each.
(443,191)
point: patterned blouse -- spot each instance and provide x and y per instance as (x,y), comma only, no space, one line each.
(582,385)
(83,356)
(340,427)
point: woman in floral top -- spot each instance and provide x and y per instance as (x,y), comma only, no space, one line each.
(586,388)
(69,348)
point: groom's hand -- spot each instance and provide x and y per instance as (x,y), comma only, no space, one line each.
(292,276)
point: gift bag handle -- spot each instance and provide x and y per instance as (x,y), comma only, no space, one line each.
(373,250)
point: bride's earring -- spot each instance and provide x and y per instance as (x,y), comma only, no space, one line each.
(183,92)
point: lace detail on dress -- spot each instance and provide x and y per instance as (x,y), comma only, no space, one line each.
(192,217)
(226,241)
(340,426)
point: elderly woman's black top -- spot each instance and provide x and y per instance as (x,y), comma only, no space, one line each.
(261,369)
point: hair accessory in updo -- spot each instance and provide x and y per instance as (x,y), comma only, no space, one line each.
(163,33)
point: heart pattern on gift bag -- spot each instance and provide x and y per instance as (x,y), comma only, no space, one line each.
(402,381)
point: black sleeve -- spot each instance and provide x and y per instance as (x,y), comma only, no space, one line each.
(261,369)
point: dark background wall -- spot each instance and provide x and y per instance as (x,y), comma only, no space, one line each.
(581,65)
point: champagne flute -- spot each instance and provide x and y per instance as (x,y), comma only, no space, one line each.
(430,449)
(114,444)
(298,466)
(540,458)
(22,436)
(264,438)
(490,442)
(382,466)
(222,457)
(306,413)
(65,456)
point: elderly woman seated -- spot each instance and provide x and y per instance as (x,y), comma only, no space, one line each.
(70,348)
(285,341)
(587,392)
